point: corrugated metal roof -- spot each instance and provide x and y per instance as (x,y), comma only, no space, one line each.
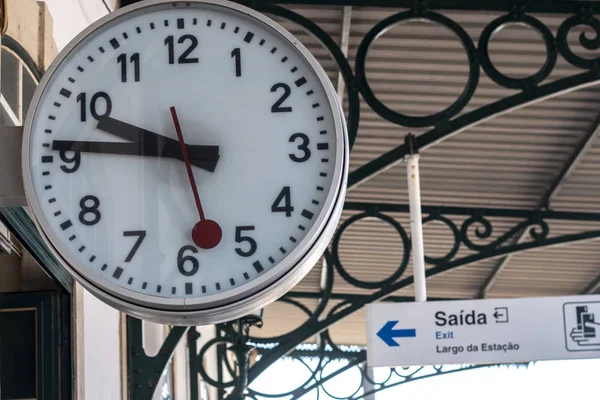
(506,162)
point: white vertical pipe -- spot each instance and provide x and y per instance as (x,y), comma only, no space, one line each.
(416,227)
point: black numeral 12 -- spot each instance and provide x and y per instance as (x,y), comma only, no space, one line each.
(135,60)
(184,58)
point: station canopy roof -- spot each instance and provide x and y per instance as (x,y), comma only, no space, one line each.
(512,161)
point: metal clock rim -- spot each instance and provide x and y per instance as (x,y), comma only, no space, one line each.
(235,302)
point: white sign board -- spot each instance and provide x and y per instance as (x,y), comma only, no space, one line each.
(483,331)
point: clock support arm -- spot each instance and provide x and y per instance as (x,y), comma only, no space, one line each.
(144,372)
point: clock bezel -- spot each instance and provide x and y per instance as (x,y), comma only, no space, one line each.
(235,302)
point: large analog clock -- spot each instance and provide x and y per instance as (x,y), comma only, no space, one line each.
(186,160)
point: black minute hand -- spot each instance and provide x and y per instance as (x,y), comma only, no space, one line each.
(151,143)
(204,157)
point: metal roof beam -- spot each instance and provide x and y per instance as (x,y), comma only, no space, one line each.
(469,211)
(593,287)
(539,6)
(574,160)
(344,44)
(555,186)
(471,119)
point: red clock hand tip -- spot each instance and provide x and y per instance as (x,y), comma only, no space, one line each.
(207,234)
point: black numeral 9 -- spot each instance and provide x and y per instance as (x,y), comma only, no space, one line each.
(89,206)
(75,159)
(81,98)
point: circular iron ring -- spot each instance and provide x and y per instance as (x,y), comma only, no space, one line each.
(404,119)
(364,284)
(504,80)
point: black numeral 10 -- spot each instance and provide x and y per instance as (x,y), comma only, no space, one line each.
(135,60)
(93,106)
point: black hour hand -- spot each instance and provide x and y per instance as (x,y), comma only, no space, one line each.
(151,142)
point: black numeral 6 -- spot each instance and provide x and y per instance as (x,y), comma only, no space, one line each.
(192,264)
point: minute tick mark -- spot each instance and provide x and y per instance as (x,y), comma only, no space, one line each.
(257,266)
(118,272)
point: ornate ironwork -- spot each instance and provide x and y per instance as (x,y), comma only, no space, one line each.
(474,240)
(236,335)
(366,384)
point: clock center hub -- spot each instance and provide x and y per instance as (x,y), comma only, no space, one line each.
(207,234)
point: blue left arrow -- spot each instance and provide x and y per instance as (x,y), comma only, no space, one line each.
(388,333)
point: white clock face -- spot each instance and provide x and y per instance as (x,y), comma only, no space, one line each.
(107,142)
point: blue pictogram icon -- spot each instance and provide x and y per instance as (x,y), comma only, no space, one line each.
(388,333)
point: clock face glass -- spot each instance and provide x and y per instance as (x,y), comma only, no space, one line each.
(156,86)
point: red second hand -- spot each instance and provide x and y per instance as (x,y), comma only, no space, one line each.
(206,233)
